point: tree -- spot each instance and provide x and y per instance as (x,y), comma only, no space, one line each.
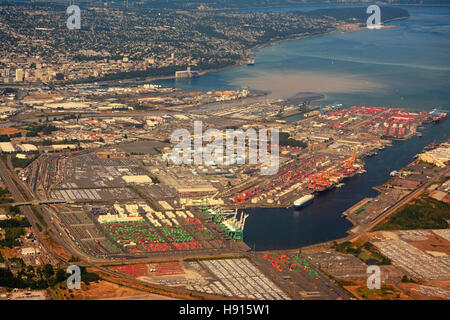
(60,275)
(48,271)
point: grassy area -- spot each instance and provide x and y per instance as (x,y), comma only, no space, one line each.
(285,140)
(41,277)
(386,292)
(362,208)
(366,252)
(14,228)
(424,213)
(22,163)
(16,222)
(11,237)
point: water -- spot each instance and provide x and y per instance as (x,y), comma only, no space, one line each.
(321,221)
(406,67)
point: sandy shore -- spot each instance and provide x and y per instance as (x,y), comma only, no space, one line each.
(287,85)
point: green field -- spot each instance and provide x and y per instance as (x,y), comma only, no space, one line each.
(385,292)
(366,252)
(424,213)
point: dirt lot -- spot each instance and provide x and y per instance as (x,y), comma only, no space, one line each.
(8,253)
(104,290)
(10,131)
(56,247)
(433,244)
(431,291)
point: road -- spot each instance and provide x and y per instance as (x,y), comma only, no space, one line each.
(25,210)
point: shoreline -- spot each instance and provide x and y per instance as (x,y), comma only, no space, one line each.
(243,62)
(342,4)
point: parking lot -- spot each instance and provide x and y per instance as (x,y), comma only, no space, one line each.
(415,262)
(240,278)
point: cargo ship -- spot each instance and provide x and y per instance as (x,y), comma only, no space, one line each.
(437,115)
(439,118)
(303,201)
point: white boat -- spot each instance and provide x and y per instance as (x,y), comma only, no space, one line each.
(303,201)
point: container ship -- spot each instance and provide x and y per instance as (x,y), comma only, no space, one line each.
(303,201)
(437,115)
(328,179)
(439,118)
(313,174)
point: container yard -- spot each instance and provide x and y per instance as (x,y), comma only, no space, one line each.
(84,233)
(136,230)
(309,174)
(292,262)
(298,276)
(231,277)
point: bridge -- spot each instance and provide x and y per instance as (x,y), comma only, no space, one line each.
(38,202)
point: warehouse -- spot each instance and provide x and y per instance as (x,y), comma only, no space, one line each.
(64,105)
(58,147)
(439,157)
(137,179)
(7,147)
(27,147)
(206,189)
(30,251)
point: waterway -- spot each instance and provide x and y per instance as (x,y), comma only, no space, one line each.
(407,66)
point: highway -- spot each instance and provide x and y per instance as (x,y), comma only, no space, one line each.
(26,210)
